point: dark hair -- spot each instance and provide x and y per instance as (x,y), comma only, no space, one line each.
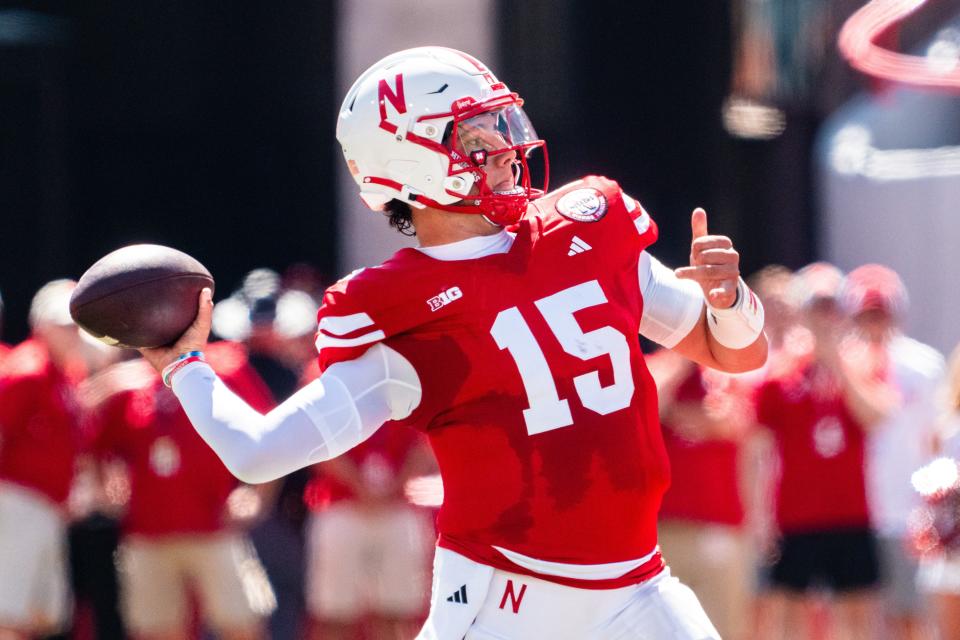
(400,216)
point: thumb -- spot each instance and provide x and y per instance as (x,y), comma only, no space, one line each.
(205,308)
(698,223)
(197,333)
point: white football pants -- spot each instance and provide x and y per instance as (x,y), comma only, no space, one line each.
(473,601)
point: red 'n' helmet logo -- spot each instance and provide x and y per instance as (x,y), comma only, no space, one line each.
(384,94)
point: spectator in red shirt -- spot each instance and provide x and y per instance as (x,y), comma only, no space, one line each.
(817,413)
(701,526)
(180,530)
(368,549)
(39,440)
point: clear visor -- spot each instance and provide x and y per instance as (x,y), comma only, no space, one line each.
(493,132)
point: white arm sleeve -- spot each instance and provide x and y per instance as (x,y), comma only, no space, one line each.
(332,414)
(671,306)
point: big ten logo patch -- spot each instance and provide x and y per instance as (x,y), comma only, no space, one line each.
(514,597)
(444,298)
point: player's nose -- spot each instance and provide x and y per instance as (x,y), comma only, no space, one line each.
(503,158)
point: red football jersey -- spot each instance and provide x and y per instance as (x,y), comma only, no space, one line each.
(536,398)
(177,483)
(821,451)
(39,422)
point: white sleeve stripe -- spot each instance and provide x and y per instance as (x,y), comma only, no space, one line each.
(642,222)
(342,325)
(325,341)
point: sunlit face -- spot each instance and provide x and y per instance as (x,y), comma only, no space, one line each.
(485,139)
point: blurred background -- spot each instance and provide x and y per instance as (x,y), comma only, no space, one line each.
(209,127)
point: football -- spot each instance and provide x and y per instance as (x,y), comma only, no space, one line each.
(143,295)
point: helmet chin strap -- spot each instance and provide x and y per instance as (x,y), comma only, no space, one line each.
(491,215)
(500,214)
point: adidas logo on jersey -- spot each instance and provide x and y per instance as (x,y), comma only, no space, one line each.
(444,298)
(578,246)
(459,596)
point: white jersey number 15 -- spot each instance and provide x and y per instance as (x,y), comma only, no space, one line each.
(547,411)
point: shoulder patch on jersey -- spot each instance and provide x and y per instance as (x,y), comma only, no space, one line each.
(583,205)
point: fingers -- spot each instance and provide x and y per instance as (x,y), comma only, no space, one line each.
(723,295)
(195,337)
(711,242)
(200,328)
(718,281)
(709,273)
(205,308)
(714,263)
(702,249)
(715,256)
(698,223)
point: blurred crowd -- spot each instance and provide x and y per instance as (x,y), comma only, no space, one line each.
(795,510)
(817,498)
(117,520)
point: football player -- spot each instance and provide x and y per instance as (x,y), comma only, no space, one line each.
(40,432)
(509,336)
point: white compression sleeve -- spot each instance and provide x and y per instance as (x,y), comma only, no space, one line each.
(671,306)
(332,414)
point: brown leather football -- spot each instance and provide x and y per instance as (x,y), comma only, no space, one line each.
(143,295)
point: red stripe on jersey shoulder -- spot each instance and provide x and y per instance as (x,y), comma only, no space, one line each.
(345,329)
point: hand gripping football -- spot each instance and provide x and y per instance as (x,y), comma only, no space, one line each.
(143,295)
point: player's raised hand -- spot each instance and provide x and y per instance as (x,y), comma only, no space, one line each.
(193,339)
(714,263)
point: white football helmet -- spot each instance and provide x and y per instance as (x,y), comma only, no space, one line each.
(425,126)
